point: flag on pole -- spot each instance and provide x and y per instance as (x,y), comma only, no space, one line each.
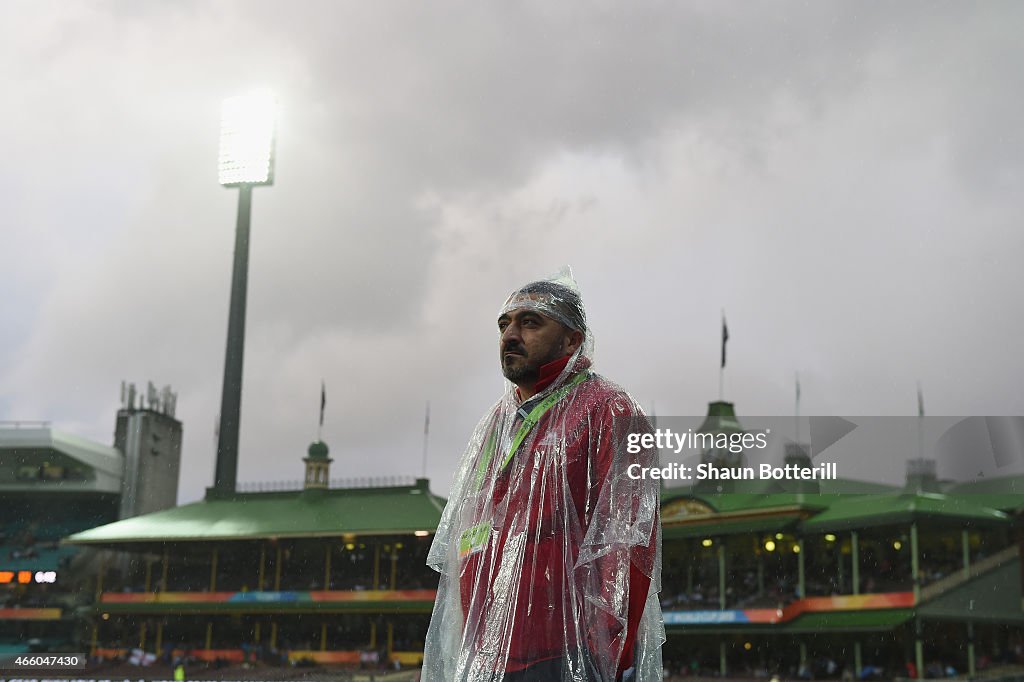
(798,388)
(323,401)
(426,421)
(725,337)
(920,401)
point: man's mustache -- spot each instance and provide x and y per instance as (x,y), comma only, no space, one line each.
(513,348)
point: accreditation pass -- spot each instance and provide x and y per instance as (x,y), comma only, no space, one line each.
(42,661)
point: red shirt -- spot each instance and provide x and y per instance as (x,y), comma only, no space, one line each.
(544,501)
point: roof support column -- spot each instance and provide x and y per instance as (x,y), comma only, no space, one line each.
(915,569)
(965,545)
(918,648)
(721,576)
(323,636)
(100,574)
(970,649)
(262,569)
(915,574)
(277,588)
(855,560)
(159,638)
(858,662)
(209,635)
(839,561)
(801,572)
(163,570)
(722,665)
(376,565)
(760,574)
(213,570)
(99,592)
(373,634)
(327,566)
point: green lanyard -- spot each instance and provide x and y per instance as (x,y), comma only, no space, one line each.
(528,423)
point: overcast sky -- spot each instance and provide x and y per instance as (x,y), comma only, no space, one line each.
(844,179)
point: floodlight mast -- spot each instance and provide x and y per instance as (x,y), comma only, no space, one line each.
(246,160)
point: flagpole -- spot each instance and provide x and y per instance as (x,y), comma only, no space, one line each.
(796,414)
(721,369)
(426,438)
(920,422)
(323,403)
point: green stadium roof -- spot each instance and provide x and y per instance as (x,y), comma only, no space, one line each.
(1005,493)
(252,516)
(764,493)
(715,525)
(849,621)
(882,510)
(743,511)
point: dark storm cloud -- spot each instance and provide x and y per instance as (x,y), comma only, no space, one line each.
(843,178)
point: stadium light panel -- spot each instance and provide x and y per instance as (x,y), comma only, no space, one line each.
(247,139)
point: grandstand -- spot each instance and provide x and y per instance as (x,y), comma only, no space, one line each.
(873,579)
(52,484)
(325,575)
(830,579)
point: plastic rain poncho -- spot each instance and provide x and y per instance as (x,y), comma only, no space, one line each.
(549,551)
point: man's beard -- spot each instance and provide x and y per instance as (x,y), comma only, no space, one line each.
(529,371)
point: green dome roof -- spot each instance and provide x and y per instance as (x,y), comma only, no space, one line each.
(318,450)
(721,419)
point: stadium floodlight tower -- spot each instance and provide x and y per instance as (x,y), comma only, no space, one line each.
(246,160)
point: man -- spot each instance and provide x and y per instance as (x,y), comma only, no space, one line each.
(549,552)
